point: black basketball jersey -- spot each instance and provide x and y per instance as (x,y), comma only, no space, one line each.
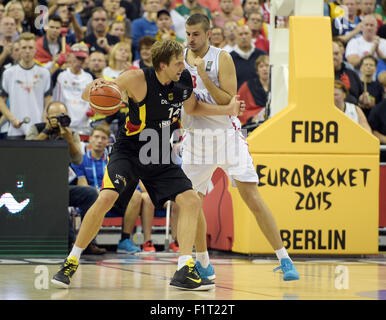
(158,114)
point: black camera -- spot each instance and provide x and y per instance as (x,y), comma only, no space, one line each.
(64,120)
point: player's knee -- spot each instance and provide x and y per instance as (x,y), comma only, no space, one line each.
(107,198)
(190,201)
(147,202)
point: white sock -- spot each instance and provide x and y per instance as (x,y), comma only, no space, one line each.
(203,258)
(282,253)
(182,261)
(76,251)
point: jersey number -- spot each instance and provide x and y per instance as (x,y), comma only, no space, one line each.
(175,113)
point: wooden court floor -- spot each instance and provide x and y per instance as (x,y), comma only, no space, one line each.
(145,277)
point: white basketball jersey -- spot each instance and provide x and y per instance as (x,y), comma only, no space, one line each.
(202,94)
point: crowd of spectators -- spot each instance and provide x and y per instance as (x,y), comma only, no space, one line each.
(51,49)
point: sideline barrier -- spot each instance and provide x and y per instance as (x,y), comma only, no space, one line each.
(319,170)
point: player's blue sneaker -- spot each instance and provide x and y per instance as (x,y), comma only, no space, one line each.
(205,273)
(127,246)
(288,269)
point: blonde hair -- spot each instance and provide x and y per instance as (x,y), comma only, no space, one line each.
(27,36)
(114,50)
(11,3)
(163,51)
(104,128)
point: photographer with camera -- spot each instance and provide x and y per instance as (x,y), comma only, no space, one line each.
(56,127)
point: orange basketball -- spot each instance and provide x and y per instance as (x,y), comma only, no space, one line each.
(106,99)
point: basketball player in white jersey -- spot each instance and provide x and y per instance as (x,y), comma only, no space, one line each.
(216,141)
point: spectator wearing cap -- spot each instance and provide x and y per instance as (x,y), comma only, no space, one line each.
(49,47)
(147,25)
(69,84)
(165,27)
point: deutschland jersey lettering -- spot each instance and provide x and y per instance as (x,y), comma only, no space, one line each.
(160,110)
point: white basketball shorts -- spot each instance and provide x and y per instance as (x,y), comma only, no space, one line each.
(203,154)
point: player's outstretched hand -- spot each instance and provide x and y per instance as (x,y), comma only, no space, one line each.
(236,107)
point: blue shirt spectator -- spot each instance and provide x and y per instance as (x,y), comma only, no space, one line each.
(92,169)
(142,27)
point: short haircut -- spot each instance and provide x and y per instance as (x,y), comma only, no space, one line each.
(199,18)
(27,36)
(104,128)
(55,18)
(369,56)
(248,16)
(147,41)
(97,9)
(163,51)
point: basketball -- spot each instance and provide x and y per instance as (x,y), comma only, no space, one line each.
(106,99)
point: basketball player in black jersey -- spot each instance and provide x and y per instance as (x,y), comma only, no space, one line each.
(155,97)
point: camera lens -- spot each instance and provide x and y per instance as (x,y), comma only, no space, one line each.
(64,120)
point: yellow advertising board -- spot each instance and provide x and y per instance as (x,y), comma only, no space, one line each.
(318,169)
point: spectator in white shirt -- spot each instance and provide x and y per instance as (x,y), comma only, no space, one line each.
(69,84)
(27,86)
(367,44)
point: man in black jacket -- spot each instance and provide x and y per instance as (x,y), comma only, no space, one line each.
(348,76)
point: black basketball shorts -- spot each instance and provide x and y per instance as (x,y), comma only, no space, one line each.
(163,182)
